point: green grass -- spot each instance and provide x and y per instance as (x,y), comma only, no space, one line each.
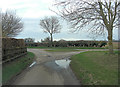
(67,47)
(60,50)
(96,68)
(12,68)
(64,49)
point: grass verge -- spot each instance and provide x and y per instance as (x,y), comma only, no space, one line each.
(61,50)
(16,66)
(67,47)
(96,68)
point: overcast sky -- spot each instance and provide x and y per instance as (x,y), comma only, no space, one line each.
(31,11)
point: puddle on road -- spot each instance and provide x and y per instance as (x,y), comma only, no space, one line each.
(58,64)
(64,63)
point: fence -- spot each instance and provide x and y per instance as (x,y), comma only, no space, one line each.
(0,50)
(12,48)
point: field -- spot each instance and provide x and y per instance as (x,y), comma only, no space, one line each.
(67,47)
(60,50)
(64,49)
(115,45)
(96,68)
(13,68)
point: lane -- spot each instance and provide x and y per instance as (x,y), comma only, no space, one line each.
(46,71)
(39,75)
(44,56)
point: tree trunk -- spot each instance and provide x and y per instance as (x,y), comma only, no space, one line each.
(110,41)
(51,40)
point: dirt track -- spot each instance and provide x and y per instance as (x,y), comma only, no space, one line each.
(46,71)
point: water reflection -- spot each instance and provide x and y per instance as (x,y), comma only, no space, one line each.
(33,64)
(64,63)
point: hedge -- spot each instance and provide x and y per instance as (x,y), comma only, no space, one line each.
(69,44)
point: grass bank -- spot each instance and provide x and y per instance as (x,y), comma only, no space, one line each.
(12,68)
(96,68)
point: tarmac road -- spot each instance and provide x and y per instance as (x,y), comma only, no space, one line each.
(46,71)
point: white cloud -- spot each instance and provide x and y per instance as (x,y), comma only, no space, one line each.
(28,8)
(7,4)
(37,14)
(69,39)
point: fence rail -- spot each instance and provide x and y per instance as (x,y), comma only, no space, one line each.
(12,48)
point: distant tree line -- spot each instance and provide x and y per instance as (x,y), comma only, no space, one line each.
(47,39)
(29,40)
(63,43)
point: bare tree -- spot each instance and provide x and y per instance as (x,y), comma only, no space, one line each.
(11,24)
(50,25)
(98,15)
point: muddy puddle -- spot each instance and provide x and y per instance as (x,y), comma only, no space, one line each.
(55,72)
(58,64)
(62,68)
(64,63)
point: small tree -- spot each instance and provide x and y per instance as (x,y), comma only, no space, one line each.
(50,25)
(11,24)
(99,15)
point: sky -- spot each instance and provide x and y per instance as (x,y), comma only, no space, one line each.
(31,11)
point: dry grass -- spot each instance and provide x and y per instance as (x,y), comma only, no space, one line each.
(115,45)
